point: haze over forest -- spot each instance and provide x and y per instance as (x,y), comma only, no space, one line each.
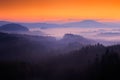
(70,51)
(59,39)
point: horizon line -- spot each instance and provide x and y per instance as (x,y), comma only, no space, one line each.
(61,21)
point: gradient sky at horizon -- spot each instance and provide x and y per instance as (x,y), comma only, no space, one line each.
(59,10)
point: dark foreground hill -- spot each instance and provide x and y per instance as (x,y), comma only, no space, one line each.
(24,57)
(24,47)
(89,63)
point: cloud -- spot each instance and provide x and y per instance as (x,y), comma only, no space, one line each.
(109,34)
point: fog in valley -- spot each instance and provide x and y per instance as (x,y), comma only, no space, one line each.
(110,34)
(59,52)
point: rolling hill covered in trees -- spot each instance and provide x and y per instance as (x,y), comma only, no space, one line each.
(26,57)
(17,46)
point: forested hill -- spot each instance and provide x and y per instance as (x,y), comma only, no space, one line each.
(89,63)
(25,57)
(22,46)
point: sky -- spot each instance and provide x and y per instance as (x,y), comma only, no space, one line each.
(59,10)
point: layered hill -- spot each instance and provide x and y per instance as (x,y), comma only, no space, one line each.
(13,27)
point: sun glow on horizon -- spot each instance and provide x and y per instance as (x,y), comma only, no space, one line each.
(59,10)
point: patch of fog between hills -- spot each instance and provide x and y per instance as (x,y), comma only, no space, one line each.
(92,33)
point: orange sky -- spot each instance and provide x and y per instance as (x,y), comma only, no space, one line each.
(59,10)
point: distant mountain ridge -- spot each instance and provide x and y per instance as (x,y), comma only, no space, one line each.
(13,27)
(4,22)
(83,24)
(86,23)
(40,25)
